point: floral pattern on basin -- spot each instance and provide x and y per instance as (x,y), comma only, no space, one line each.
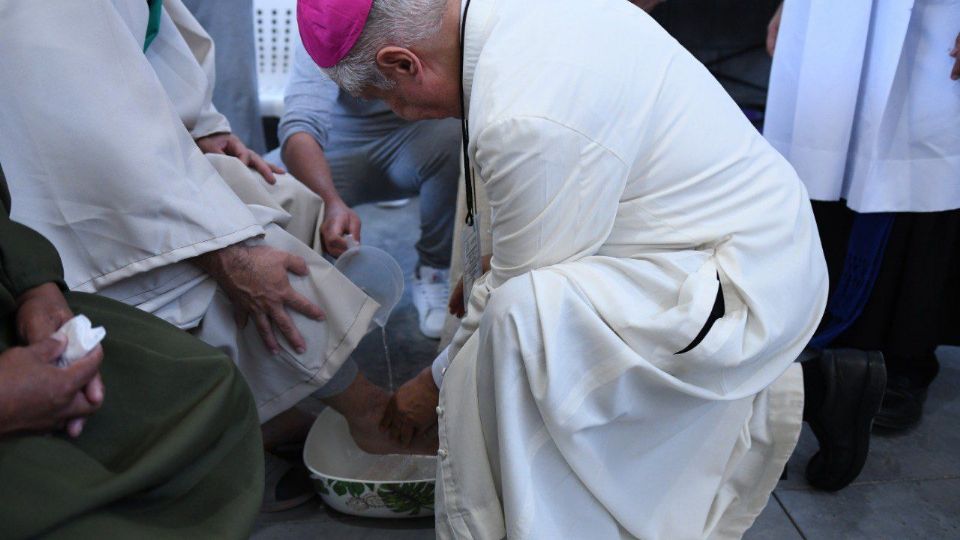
(393,499)
(372,486)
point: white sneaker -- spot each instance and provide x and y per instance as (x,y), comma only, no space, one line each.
(431,292)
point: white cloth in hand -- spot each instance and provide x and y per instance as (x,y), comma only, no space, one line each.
(81,338)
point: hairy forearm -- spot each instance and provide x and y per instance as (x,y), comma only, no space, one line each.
(216,262)
(305,160)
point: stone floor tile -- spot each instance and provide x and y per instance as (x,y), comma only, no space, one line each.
(773,523)
(897,510)
(315,522)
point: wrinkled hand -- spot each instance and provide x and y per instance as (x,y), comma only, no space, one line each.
(42,311)
(229,144)
(412,410)
(773,29)
(36,395)
(257,281)
(646,5)
(338,221)
(955,53)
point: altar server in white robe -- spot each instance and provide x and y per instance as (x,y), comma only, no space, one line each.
(625,368)
(865,103)
(102,162)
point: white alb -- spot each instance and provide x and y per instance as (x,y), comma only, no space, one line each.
(625,186)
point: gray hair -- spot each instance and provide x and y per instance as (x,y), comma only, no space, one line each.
(401,23)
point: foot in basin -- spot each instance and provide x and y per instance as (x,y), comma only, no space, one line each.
(363,405)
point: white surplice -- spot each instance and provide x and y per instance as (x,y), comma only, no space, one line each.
(625,186)
(862,104)
(100,161)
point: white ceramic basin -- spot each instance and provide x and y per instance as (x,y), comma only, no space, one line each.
(354,482)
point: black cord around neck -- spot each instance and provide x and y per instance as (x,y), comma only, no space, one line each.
(464,124)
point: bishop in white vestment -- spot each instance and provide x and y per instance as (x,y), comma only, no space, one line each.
(630,201)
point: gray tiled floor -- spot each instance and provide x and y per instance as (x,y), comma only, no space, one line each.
(910,487)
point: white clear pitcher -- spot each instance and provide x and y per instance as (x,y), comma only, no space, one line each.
(376,273)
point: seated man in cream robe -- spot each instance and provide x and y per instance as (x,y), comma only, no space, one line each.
(95,143)
(626,366)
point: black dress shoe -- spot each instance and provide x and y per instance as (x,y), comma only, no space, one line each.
(907,381)
(853,389)
(902,405)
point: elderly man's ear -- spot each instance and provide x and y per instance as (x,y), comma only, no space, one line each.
(398,63)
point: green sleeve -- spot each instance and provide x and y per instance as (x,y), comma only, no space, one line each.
(27,259)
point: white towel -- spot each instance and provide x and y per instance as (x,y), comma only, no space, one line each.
(81,338)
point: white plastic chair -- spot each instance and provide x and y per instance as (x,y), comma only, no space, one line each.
(277,36)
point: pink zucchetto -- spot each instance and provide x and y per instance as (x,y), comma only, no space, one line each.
(329,28)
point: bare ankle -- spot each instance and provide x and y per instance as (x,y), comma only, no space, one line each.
(360,398)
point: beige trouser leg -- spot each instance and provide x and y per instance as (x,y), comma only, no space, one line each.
(304,206)
(280,381)
(287,195)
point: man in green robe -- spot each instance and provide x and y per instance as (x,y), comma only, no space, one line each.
(171,443)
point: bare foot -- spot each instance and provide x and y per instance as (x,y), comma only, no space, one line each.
(363,405)
(366,432)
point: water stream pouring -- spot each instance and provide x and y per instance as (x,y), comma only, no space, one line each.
(380,277)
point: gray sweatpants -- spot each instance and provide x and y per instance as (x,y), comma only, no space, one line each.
(418,158)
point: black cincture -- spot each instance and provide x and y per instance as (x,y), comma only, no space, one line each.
(717,313)
(464,125)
